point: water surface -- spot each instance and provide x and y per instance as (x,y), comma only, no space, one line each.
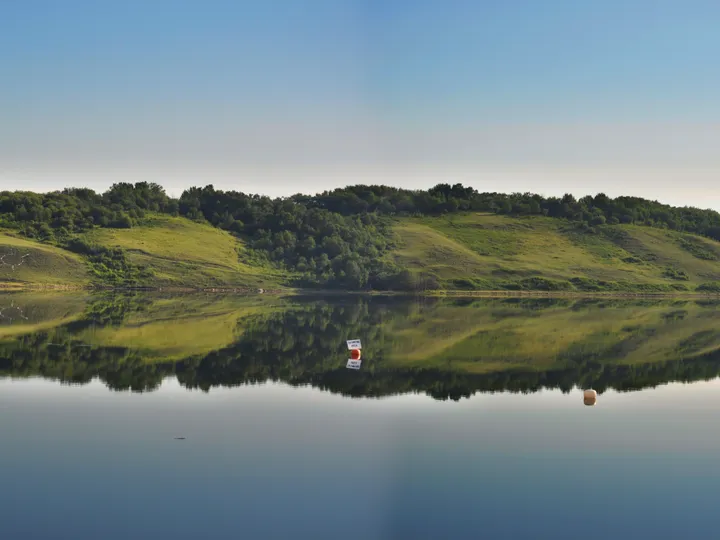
(465,420)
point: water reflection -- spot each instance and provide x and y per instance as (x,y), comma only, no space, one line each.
(448,349)
(178,464)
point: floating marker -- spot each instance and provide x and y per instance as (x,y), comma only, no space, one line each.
(354,344)
(589,397)
(355,354)
(354,364)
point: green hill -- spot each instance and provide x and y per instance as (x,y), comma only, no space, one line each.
(490,252)
(24,262)
(460,251)
(357,238)
(168,251)
(183,253)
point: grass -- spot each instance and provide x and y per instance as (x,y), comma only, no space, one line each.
(182,253)
(422,248)
(26,262)
(487,251)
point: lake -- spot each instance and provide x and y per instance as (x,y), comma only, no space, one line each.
(208,416)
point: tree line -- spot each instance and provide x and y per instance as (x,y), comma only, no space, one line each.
(333,239)
(588,211)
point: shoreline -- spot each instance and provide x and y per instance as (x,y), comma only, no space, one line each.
(19,287)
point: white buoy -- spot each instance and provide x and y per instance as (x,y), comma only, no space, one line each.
(589,397)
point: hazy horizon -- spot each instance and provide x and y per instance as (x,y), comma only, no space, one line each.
(304,96)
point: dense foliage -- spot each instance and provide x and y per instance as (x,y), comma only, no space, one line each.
(324,247)
(109,266)
(333,239)
(588,211)
(57,215)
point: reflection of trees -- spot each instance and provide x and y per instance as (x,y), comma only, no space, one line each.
(110,309)
(56,354)
(296,346)
(305,345)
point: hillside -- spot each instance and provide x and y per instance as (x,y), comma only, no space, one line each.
(490,252)
(183,253)
(169,251)
(359,238)
(24,261)
(461,251)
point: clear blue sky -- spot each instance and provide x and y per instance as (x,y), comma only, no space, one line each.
(280,96)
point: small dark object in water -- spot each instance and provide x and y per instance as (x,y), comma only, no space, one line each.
(179,438)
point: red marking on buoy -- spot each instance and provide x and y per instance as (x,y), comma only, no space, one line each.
(355,354)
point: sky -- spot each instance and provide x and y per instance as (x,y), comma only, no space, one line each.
(287,96)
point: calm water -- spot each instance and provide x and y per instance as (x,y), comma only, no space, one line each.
(465,419)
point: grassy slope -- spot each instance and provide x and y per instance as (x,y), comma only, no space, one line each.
(180,252)
(492,250)
(44,265)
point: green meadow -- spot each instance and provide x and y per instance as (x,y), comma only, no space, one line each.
(475,251)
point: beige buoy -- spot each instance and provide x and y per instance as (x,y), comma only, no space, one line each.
(589,397)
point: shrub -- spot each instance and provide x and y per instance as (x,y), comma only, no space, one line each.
(713,287)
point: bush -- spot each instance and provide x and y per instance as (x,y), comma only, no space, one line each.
(544,284)
(594,285)
(464,284)
(82,247)
(674,273)
(697,249)
(711,287)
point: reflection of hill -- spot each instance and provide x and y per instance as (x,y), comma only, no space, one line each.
(483,337)
(24,312)
(445,348)
(171,329)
